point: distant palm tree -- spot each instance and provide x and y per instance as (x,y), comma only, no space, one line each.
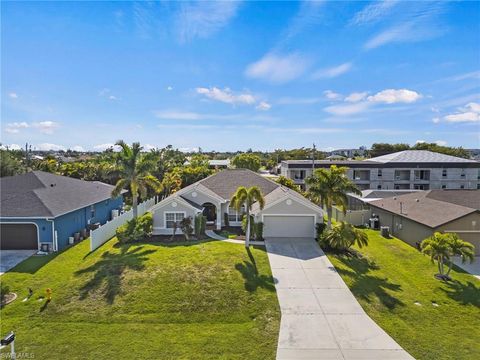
(247,197)
(134,173)
(344,235)
(330,186)
(438,248)
(463,249)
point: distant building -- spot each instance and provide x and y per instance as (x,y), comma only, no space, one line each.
(219,164)
(416,216)
(349,153)
(404,170)
(39,210)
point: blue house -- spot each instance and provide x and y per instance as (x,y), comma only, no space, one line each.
(40,210)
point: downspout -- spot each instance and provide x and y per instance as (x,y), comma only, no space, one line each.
(55,241)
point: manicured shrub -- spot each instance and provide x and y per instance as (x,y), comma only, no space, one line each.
(226,219)
(136,229)
(186,227)
(4,290)
(320,227)
(259,231)
(197,224)
(203,225)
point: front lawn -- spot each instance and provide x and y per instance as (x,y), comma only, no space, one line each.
(430,319)
(209,300)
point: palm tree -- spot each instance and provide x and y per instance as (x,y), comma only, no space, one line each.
(330,186)
(344,235)
(134,173)
(463,249)
(246,197)
(438,248)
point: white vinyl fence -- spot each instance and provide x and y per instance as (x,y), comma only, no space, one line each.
(107,231)
(354,217)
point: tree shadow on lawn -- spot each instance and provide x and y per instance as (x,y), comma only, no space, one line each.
(110,268)
(464,293)
(365,286)
(254,280)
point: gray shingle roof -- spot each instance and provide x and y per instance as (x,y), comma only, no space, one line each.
(226,182)
(419,156)
(41,194)
(431,208)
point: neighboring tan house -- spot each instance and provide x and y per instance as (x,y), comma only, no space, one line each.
(40,210)
(286,212)
(416,216)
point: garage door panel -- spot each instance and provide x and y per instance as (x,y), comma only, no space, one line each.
(288,226)
(18,237)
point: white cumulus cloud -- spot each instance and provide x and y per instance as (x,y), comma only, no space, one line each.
(392,96)
(332,95)
(50,147)
(13,95)
(46,127)
(332,71)
(263,105)
(356,96)
(226,95)
(103,147)
(78,148)
(278,68)
(469,113)
(15,127)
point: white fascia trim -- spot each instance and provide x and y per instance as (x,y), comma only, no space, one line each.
(168,200)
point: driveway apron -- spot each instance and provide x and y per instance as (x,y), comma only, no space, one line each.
(321,319)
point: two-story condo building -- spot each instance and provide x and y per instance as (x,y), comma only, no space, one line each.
(409,169)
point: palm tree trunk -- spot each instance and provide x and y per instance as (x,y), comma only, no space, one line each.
(134,206)
(329,216)
(247,231)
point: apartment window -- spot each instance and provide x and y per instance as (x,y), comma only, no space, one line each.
(462,186)
(234,215)
(478,186)
(92,211)
(478,175)
(444,186)
(172,218)
(462,174)
(379,174)
(379,187)
(444,173)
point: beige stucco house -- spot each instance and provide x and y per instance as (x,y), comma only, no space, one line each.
(286,212)
(416,216)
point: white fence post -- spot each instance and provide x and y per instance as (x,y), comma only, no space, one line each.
(105,232)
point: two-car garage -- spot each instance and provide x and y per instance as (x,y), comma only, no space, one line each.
(289,226)
(18,236)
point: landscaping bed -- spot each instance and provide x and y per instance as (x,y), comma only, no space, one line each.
(429,318)
(185,300)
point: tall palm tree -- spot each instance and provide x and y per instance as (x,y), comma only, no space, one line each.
(438,248)
(344,235)
(463,249)
(247,197)
(330,186)
(134,173)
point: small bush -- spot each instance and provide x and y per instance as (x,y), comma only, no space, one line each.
(186,227)
(259,231)
(197,225)
(226,220)
(4,290)
(136,229)
(204,224)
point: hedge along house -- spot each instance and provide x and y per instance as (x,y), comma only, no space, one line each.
(39,208)
(286,212)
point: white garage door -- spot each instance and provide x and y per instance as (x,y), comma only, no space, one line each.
(288,226)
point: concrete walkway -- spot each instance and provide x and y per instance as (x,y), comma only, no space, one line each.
(321,319)
(212,234)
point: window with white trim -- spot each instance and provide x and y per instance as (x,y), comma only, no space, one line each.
(172,218)
(234,215)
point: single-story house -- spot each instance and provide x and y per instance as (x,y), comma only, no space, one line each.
(40,210)
(416,216)
(286,212)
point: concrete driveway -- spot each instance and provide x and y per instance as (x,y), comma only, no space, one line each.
(321,319)
(10,258)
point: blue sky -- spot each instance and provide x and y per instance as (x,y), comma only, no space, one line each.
(239,75)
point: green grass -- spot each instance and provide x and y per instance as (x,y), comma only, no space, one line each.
(388,280)
(208,300)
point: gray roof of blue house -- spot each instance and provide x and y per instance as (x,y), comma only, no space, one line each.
(42,194)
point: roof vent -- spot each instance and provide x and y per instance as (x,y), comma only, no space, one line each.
(52,185)
(417,200)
